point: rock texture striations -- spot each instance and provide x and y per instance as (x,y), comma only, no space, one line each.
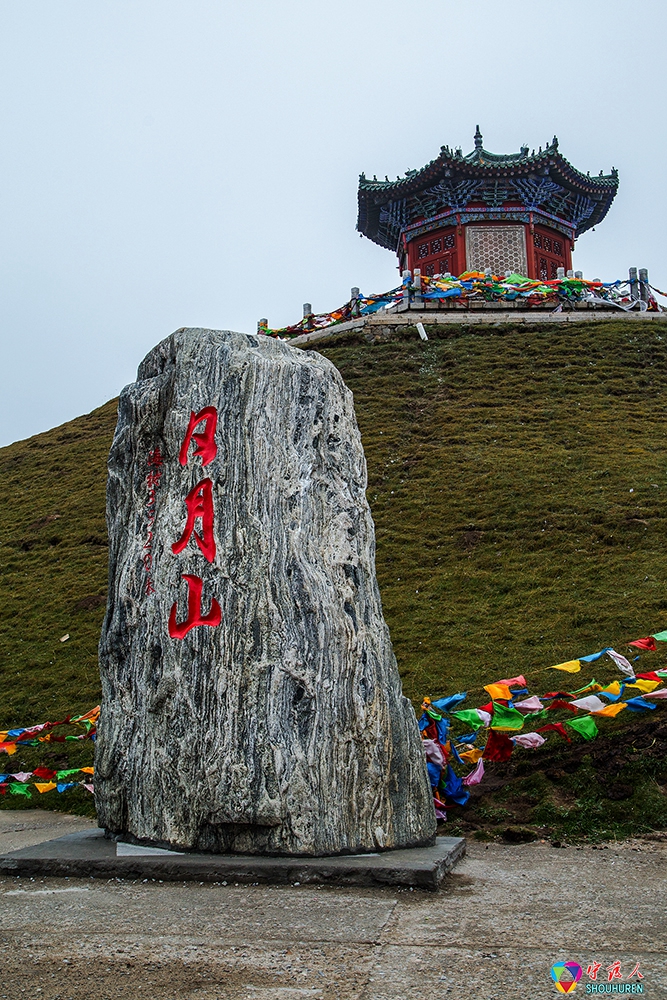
(251,699)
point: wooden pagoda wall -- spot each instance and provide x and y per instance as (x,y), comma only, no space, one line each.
(443,249)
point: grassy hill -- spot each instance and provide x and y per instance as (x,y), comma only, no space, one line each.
(518,483)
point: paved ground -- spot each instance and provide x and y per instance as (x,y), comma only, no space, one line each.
(505,915)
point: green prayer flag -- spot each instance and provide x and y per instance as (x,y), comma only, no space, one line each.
(18,788)
(506,718)
(469,716)
(585,688)
(660,636)
(585,726)
(61,775)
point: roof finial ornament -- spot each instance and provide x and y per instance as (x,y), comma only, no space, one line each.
(478,139)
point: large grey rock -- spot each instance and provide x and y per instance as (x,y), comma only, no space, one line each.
(282,729)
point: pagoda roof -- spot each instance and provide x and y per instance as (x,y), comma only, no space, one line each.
(451,174)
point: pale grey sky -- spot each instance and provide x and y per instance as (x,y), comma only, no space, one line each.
(173,163)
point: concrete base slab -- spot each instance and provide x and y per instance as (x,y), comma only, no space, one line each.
(90,854)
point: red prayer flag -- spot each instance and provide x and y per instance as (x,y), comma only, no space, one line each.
(648,643)
(557,727)
(559,703)
(45,773)
(650,676)
(498,746)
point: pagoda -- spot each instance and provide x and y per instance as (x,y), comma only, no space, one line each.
(518,213)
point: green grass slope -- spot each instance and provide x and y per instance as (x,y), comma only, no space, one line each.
(518,482)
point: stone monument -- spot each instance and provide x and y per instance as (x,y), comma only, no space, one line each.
(251,699)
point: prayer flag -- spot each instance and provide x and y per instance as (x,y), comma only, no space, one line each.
(45,786)
(557,727)
(468,715)
(586,727)
(621,662)
(570,666)
(484,716)
(593,686)
(529,740)
(660,636)
(644,686)
(611,711)
(453,789)
(506,718)
(44,772)
(434,771)
(472,756)
(638,704)
(519,681)
(18,788)
(594,656)
(498,691)
(590,704)
(433,752)
(498,746)
(648,644)
(442,727)
(662,693)
(532,704)
(448,703)
(475,776)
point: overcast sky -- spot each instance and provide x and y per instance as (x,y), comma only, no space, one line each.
(190,163)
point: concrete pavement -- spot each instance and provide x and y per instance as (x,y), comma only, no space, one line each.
(504,916)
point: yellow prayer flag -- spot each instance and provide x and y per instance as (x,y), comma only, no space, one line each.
(644,686)
(613,688)
(87,770)
(44,786)
(611,711)
(570,666)
(472,756)
(499,692)
(9,748)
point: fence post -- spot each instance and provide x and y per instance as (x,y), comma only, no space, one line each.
(407,288)
(560,272)
(418,286)
(262,325)
(634,284)
(307,316)
(354,301)
(579,275)
(644,291)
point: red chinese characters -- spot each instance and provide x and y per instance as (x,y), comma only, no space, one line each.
(178,630)
(199,524)
(205,441)
(152,481)
(199,502)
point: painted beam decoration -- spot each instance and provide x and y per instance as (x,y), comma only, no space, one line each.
(509,212)
(244,633)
